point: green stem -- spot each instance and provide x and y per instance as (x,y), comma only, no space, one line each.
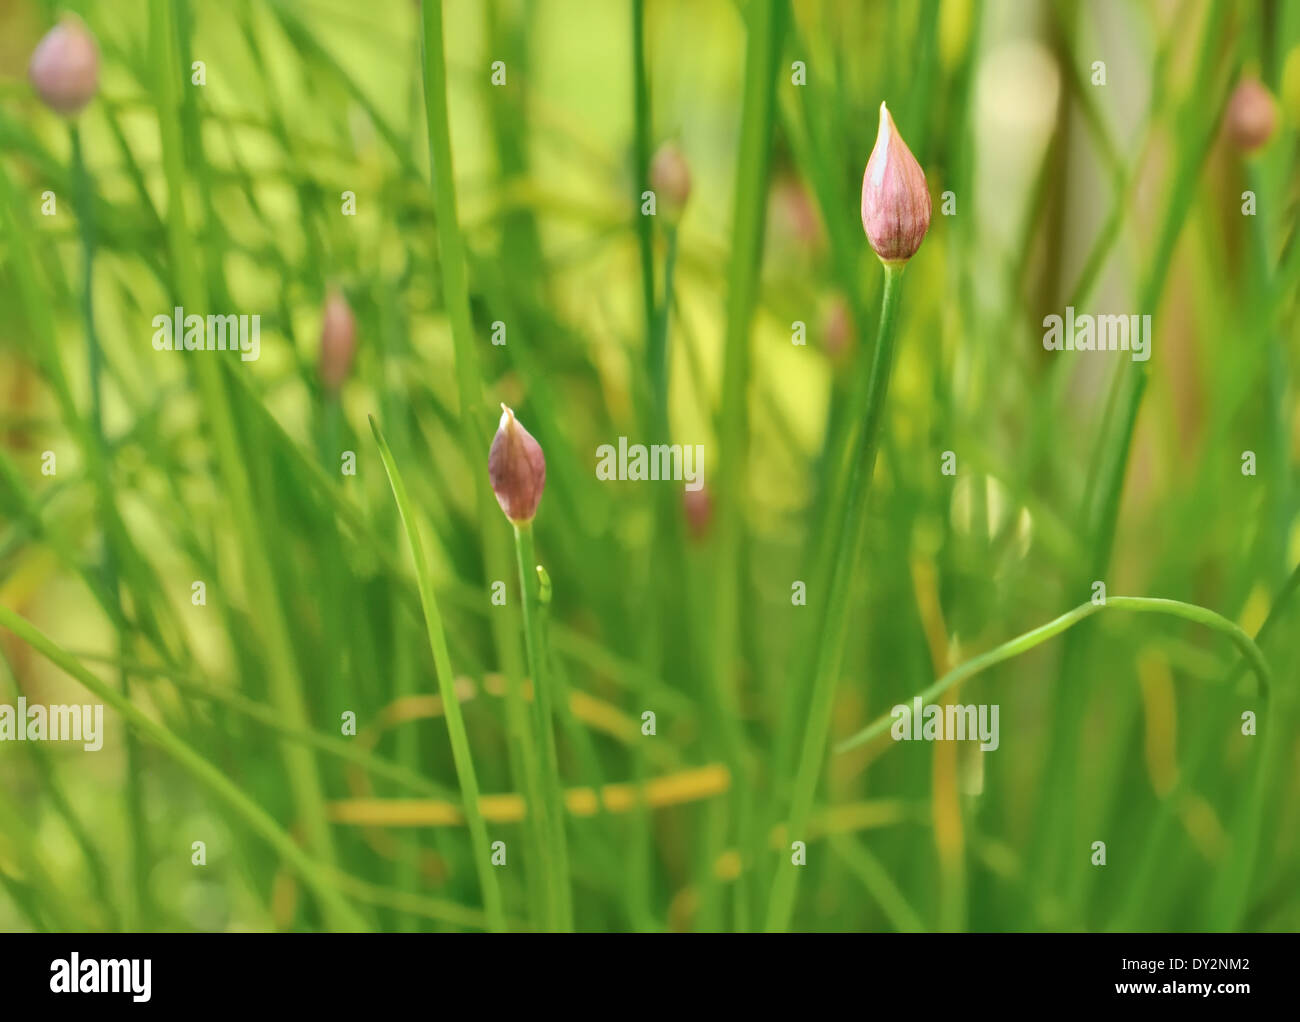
(831,645)
(474,416)
(1037,636)
(560,898)
(641,100)
(456,733)
(657,353)
(748,225)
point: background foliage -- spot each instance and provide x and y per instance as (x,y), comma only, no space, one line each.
(224,721)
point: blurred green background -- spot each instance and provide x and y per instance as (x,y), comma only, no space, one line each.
(228,197)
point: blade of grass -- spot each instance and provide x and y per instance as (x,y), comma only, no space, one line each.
(474,416)
(837,599)
(446,685)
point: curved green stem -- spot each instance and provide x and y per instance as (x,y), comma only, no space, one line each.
(1037,636)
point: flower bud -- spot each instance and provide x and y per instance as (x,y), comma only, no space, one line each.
(670,178)
(338,342)
(793,215)
(64,69)
(837,328)
(1251,116)
(698,508)
(517,468)
(895,199)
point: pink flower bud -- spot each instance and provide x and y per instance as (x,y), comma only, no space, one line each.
(64,69)
(338,342)
(837,328)
(794,215)
(517,468)
(670,178)
(1251,115)
(895,199)
(698,507)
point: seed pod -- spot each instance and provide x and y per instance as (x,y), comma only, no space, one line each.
(895,199)
(338,342)
(517,469)
(1251,116)
(670,178)
(64,69)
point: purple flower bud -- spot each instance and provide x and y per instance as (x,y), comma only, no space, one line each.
(1251,116)
(837,328)
(517,468)
(698,506)
(670,177)
(895,199)
(64,69)
(338,342)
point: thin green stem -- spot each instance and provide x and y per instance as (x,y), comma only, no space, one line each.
(456,733)
(836,601)
(748,225)
(559,896)
(474,416)
(1037,636)
(641,124)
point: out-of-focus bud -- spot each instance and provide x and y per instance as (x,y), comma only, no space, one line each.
(837,328)
(698,508)
(895,199)
(793,214)
(670,178)
(1251,117)
(338,342)
(517,468)
(64,69)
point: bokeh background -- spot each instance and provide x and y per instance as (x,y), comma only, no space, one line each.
(228,197)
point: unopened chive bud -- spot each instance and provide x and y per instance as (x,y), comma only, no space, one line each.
(895,199)
(698,508)
(794,214)
(837,328)
(670,178)
(338,342)
(1251,115)
(517,468)
(64,69)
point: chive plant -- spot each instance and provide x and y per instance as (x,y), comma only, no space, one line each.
(386,714)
